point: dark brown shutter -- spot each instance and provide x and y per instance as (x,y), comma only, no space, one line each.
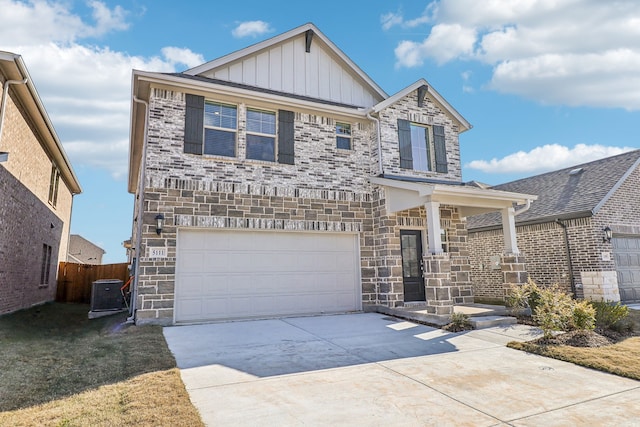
(404,139)
(194,124)
(440,149)
(286,137)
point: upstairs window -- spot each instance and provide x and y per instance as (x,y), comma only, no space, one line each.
(343,136)
(220,126)
(211,128)
(261,135)
(54,182)
(417,142)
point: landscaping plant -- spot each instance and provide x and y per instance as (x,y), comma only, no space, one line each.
(610,315)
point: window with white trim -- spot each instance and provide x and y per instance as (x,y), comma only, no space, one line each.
(261,135)
(343,136)
(54,182)
(220,128)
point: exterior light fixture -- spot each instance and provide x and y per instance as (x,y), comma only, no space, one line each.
(159,223)
(606,234)
(4,156)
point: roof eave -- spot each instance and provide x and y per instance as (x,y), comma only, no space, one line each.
(280,38)
(41,119)
(464,124)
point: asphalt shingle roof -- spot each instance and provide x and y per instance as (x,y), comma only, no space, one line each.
(563,194)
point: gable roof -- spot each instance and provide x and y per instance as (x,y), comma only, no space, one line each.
(429,91)
(302,61)
(573,192)
(12,67)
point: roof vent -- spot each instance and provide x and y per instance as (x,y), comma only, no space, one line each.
(576,171)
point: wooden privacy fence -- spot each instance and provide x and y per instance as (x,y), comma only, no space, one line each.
(74,280)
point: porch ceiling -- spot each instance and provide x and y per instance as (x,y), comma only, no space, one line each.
(402,195)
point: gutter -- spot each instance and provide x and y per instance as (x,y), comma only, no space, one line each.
(379,139)
(5,92)
(138,245)
(523,210)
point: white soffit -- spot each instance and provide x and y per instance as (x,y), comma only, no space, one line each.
(403,195)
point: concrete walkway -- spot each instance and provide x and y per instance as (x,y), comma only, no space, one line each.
(370,369)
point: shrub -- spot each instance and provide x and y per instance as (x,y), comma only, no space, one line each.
(460,321)
(609,314)
(554,311)
(584,315)
(524,296)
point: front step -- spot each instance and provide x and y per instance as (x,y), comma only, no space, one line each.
(482,322)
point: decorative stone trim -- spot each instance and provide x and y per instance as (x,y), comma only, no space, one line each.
(438,286)
(255,189)
(202,221)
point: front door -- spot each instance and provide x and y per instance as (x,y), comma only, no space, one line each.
(411,247)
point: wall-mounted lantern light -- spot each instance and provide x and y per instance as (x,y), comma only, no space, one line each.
(606,235)
(159,223)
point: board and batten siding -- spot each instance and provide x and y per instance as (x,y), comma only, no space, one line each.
(287,67)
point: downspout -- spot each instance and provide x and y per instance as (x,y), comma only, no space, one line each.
(138,244)
(5,92)
(568,249)
(523,210)
(380,168)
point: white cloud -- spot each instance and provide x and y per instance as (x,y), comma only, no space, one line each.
(389,20)
(251,29)
(86,90)
(176,55)
(546,158)
(575,52)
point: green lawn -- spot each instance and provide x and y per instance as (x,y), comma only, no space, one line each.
(59,368)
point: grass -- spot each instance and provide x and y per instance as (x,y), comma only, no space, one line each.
(61,369)
(622,358)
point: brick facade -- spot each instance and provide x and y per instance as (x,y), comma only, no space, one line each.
(27,219)
(25,226)
(327,189)
(544,247)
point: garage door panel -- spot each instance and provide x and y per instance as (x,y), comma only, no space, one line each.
(225,274)
(626,252)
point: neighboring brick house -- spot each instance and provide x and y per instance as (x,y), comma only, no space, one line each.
(37,185)
(281,180)
(562,235)
(82,251)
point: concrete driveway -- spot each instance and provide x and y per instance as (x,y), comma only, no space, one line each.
(370,369)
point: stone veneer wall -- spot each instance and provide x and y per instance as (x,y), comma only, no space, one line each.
(326,190)
(25,225)
(430,114)
(389,257)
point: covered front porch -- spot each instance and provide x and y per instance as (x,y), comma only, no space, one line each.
(423,259)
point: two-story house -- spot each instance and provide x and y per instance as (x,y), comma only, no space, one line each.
(282,180)
(37,185)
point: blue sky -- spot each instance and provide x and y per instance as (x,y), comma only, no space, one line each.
(545,84)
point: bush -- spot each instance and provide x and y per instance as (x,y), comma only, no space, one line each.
(584,315)
(610,315)
(554,311)
(524,296)
(460,321)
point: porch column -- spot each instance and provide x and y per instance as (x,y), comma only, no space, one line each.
(433,227)
(509,231)
(437,283)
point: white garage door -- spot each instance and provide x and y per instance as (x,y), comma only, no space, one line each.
(222,274)
(626,252)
